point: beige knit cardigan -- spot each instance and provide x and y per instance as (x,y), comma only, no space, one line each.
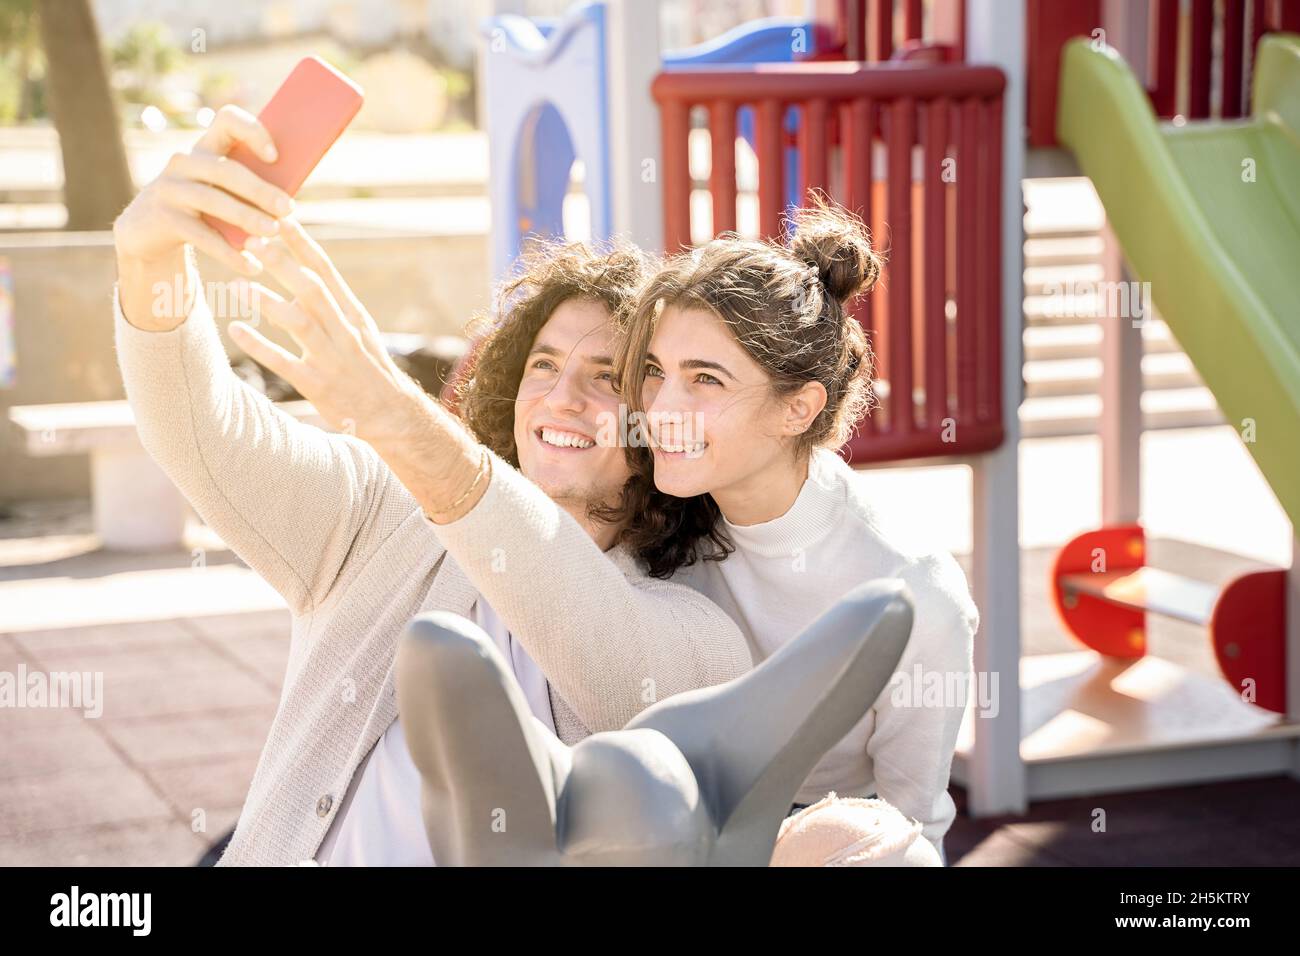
(324,521)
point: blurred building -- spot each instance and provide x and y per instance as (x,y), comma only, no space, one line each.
(448,27)
(445,25)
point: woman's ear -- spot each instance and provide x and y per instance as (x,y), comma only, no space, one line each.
(803,406)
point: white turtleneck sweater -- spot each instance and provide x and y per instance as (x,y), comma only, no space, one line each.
(785,572)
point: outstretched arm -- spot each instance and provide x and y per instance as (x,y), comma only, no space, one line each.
(609,647)
(289,499)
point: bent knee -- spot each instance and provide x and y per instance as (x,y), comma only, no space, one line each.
(850,831)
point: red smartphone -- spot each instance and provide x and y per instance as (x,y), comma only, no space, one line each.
(306,115)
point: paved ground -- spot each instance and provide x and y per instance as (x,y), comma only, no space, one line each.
(1242,823)
(164,770)
(192,654)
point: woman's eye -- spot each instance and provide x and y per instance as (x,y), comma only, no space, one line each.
(544,364)
(654,371)
(605,377)
(706,379)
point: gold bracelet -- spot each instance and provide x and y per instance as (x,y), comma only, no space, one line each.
(484,467)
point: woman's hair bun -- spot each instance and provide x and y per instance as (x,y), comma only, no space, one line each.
(834,241)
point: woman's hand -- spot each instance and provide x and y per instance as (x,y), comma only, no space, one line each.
(152,231)
(344,369)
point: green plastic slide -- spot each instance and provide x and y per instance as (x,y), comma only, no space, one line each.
(1209,214)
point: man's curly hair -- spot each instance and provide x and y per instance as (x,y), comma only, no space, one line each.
(666,533)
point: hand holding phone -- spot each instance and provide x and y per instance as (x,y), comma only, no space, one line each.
(204,201)
(305,117)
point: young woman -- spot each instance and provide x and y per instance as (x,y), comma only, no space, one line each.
(750,373)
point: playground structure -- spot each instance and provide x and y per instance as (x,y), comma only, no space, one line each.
(536,139)
(914,115)
(1173,192)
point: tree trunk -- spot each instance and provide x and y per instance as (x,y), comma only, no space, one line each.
(96,178)
(25,89)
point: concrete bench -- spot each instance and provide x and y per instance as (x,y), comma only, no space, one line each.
(136,506)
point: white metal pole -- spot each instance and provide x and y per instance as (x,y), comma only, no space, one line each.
(1121,387)
(995,34)
(632,60)
(1126,29)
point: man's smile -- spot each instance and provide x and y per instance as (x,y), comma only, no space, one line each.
(563,438)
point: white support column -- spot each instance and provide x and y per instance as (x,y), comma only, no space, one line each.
(483,10)
(1126,25)
(632,60)
(1121,390)
(996,784)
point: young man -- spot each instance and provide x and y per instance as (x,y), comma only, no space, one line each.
(327,520)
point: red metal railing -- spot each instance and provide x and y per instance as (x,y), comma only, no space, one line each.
(868,31)
(1237,20)
(1180,76)
(916,151)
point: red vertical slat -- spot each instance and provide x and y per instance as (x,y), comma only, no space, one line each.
(902,412)
(882,30)
(948,25)
(722,174)
(1048,26)
(857,121)
(982,272)
(1284,16)
(771,174)
(1258,26)
(977,320)
(913,24)
(675,124)
(934,209)
(853,17)
(991,373)
(961,31)
(814,170)
(969,239)
(1234,36)
(1201,52)
(1164,56)
(1258,23)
